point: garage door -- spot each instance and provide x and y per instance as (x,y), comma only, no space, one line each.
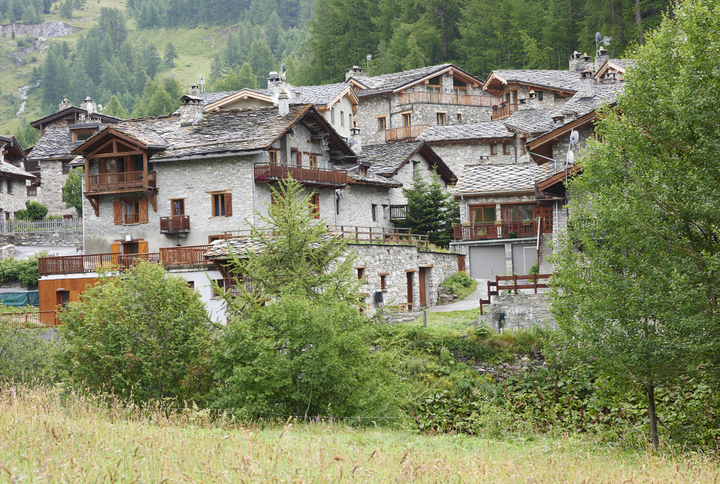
(487,262)
(524,256)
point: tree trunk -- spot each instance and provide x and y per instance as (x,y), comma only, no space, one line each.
(652,416)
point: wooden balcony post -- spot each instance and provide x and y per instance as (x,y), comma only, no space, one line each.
(145,171)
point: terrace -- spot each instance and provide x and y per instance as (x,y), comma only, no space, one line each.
(495,230)
(308,176)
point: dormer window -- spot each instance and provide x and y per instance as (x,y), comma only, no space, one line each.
(363,170)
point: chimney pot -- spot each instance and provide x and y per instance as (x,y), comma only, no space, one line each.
(65,104)
(283,103)
(354,71)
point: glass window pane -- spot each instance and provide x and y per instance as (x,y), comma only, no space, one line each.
(525,212)
(489,214)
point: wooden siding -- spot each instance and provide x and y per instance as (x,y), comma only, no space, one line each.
(48,291)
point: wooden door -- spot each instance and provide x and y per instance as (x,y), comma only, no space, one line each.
(423,286)
(410,290)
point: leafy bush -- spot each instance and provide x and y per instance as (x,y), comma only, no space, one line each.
(25,271)
(460,283)
(24,355)
(33,211)
(144,336)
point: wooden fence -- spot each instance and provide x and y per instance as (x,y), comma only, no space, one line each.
(514,283)
(31,319)
(382,235)
(41,227)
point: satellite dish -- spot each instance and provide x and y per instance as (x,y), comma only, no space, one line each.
(570,158)
(368,57)
(90,109)
(598,37)
(351,143)
(574,137)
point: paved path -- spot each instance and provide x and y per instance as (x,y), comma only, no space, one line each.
(25,251)
(470,302)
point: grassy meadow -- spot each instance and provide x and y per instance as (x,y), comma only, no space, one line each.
(48,436)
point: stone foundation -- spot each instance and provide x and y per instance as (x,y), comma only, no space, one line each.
(518,311)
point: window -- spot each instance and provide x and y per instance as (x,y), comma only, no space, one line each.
(560,96)
(66,167)
(222,205)
(440,118)
(382,123)
(273,157)
(360,273)
(459,88)
(517,213)
(32,192)
(482,214)
(313,161)
(342,118)
(383,281)
(191,285)
(407,119)
(459,117)
(337,204)
(132,211)
(350,120)
(493,150)
(433,88)
(218,288)
(315,205)
(506,149)
(540,95)
(332,115)
(63,298)
(9,186)
(177,206)
(373,209)
(298,158)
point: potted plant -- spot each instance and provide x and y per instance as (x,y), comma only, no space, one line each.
(512,234)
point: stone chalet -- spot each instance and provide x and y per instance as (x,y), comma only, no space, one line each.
(12,177)
(511,209)
(49,160)
(400,106)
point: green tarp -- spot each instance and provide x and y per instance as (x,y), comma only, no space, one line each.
(26,298)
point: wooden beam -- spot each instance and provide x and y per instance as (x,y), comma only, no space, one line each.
(94,203)
(152,197)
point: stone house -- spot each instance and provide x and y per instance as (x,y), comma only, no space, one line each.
(12,178)
(49,160)
(401,105)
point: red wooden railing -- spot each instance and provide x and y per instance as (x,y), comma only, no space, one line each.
(445,98)
(174,224)
(502,112)
(128,180)
(406,132)
(306,175)
(514,284)
(132,218)
(492,230)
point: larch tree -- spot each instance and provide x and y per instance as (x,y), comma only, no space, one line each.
(636,284)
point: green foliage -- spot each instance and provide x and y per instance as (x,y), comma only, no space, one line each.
(34,211)
(460,284)
(72,191)
(26,135)
(296,342)
(114,108)
(640,296)
(535,269)
(145,335)
(25,271)
(170,55)
(235,82)
(431,210)
(25,356)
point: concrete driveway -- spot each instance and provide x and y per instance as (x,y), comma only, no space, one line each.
(470,302)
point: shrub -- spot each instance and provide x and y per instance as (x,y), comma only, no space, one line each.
(33,211)
(24,355)
(144,336)
(25,271)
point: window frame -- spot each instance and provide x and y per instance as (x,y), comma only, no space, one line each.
(506,149)
(382,123)
(312,160)
(172,207)
(493,150)
(481,208)
(441,116)
(315,205)
(373,211)
(34,189)
(273,157)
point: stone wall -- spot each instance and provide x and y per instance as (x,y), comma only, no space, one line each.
(517,311)
(46,239)
(355,206)
(50,192)
(13,195)
(459,155)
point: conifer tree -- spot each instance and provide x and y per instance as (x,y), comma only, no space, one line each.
(115,108)
(170,55)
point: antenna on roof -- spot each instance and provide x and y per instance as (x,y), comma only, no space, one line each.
(368,58)
(282,71)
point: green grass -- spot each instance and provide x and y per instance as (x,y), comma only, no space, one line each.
(48,437)
(452,320)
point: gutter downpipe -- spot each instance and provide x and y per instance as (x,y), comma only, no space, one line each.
(82,191)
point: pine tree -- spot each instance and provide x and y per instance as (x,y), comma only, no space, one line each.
(152,60)
(115,108)
(170,55)
(66,9)
(261,60)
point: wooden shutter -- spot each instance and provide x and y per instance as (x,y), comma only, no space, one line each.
(143,213)
(117,213)
(228,204)
(116,247)
(143,244)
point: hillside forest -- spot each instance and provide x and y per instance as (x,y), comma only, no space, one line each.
(136,58)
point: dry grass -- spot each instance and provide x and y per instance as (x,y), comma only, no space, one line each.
(45,437)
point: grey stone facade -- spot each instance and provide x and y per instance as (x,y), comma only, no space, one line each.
(12,196)
(49,239)
(50,193)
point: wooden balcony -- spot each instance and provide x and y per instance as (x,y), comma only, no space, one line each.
(445,98)
(175,224)
(398,212)
(492,230)
(406,132)
(192,256)
(318,177)
(502,112)
(129,181)
(381,235)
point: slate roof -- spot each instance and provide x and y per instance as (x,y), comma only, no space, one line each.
(55,144)
(460,132)
(385,159)
(371,179)
(389,82)
(531,121)
(501,178)
(13,171)
(238,246)
(603,92)
(317,95)
(562,80)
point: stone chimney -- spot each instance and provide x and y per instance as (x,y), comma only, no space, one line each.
(600,58)
(275,82)
(579,62)
(283,103)
(610,77)
(89,105)
(65,104)
(587,85)
(191,107)
(532,101)
(354,71)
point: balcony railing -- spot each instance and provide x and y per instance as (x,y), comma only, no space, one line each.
(79,264)
(132,218)
(445,98)
(303,174)
(501,112)
(381,235)
(406,132)
(398,212)
(492,230)
(129,180)
(175,224)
